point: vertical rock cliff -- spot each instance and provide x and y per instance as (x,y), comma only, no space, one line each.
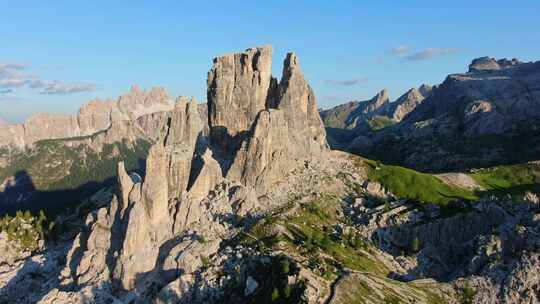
(280,123)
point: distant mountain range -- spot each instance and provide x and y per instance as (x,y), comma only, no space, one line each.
(52,161)
(96,115)
(486,116)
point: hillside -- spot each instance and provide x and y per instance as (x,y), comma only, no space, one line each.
(57,174)
(485,117)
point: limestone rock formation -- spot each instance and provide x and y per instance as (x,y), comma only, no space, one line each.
(145,240)
(239,87)
(209,176)
(491,64)
(297,101)
(425,89)
(185,129)
(483,64)
(281,123)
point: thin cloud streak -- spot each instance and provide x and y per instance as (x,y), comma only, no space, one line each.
(13,66)
(60,88)
(401,50)
(346,82)
(13,76)
(430,53)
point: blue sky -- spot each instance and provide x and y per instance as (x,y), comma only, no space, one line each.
(56,55)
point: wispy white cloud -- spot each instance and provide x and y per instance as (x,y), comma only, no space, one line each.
(12,82)
(346,82)
(12,66)
(406,53)
(15,75)
(430,53)
(61,88)
(401,50)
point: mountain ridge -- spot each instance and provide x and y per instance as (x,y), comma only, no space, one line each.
(461,120)
(94,116)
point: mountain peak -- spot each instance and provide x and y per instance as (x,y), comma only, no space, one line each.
(425,89)
(491,64)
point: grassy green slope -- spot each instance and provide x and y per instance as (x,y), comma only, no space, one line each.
(511,179)
(380,122)
(408,183)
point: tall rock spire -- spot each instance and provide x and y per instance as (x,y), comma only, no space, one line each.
(238,87)
(287,128)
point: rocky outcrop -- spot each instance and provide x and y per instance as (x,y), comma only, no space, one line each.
(297,101)
(491,64)
(281,123)
(184,130)
(209,176)
(95,116)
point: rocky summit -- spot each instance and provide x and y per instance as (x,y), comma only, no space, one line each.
(242,200)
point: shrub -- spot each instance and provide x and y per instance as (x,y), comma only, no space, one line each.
(25,230)
(467,293)
(275,295)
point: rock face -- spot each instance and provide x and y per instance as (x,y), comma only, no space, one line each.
(185,128)
(376,103)
(407,103)
(94,116)
(239,87)
(281,122)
